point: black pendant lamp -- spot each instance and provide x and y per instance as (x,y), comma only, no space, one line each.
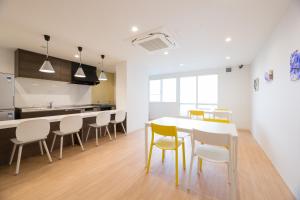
(80,73)
(102,76)
(46,66)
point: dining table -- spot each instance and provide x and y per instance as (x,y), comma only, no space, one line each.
(187,125)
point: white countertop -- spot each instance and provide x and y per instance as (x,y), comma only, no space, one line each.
(57,118)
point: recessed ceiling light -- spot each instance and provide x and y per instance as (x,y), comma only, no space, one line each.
(228,39)
(227,57)
(76,56)
(166,53)
(134,29)
(181,64)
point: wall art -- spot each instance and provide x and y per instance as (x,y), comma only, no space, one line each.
(269,75)
(256,84)
(295,66)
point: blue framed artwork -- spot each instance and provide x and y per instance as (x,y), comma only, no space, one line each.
(295,66)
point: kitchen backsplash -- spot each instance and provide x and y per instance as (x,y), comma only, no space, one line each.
(35,92)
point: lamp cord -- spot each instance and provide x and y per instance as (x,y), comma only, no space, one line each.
(47,51)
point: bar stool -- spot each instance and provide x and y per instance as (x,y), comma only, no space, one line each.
(68,126)
(28,132)
(102,120)
(119,119)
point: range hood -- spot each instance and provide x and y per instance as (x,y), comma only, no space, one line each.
(90,73)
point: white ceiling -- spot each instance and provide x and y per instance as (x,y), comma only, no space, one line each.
(103,26)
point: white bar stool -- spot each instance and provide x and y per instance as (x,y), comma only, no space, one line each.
(68,126)
(28,132)
(102,120)
(119,119)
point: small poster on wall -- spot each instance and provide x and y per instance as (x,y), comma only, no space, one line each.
(256,84)
(269,75)
(295,66)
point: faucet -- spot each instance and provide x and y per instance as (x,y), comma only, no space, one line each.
(51,104)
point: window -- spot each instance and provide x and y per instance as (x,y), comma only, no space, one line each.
(188,94)
(154,90)
(169,90)
(195,92)
(207,91)
(199,92)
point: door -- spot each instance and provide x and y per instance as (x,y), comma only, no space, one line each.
(7,91)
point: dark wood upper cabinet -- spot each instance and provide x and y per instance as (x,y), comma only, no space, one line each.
(27,64)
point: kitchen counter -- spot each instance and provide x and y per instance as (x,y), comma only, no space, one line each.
(70,107)
(8,131)
(57,118)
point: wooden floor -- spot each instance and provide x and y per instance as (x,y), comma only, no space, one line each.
(115,170)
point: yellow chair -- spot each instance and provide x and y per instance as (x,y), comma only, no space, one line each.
(169,141)
(196,113)
(225,121)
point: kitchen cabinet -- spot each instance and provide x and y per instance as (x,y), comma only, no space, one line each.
(27,64)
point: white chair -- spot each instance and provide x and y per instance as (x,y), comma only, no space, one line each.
(102,120)
(213,150)
(68,126)
(28,132)
(119,119)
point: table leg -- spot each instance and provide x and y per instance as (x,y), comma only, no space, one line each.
(233,186)
(146,145)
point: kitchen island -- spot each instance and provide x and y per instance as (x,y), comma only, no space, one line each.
(7,131)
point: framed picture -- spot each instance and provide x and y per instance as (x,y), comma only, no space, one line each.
(256,84)
(269,75)
(295,66)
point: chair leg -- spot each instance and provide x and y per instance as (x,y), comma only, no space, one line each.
(229,172)
(53,142)
(87,135)
(176,165)
(104,132)
(149,158)
(183,155)
(19,159)
(47,151)
(100,132)
(200,164)
(79,140)
(108,133)
(61,146)
(190,172)
(115,128)
(12,154)
(163,156)
(72,138)
(97,137)
(41,148)
(123,128)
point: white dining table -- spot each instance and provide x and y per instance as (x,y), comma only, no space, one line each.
(187,125)
(216,112)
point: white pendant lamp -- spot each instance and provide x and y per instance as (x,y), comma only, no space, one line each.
(80,73)
(46,66)
(102,76)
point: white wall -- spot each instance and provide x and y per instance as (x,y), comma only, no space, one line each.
(137,96)
(36,92)
(275,107)
(7,60)
(233,93)
(121,86)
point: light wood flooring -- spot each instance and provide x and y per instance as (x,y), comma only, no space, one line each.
(115,170)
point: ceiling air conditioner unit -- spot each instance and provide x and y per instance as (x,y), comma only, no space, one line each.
(153,42)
